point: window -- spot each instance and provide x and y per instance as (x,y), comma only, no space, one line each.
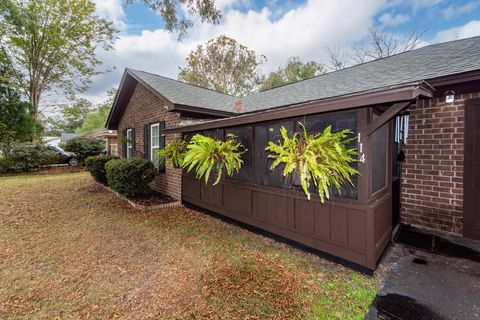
(263,175)
(244,136)
(154,143)
(129,143)
(379,158)
(338,121)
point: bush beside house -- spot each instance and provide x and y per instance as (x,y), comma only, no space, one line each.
(129,177)
(96,166)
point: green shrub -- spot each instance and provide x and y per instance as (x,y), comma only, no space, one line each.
(96,166)
(129,177)
(85,147)
(24,157)
(322,158)
(205,154)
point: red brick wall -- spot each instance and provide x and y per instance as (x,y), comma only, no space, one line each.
(143,108)
(432,174)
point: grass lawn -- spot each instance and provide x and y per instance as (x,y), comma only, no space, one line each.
(69,249)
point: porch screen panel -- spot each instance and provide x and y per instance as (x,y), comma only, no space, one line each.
(244,136)
(263,175)
(339,121)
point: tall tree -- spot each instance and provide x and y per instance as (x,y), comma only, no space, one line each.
(71,117)
(224,65)
(382,44)
(51,44)
(174,18)
(16,117)
(378,44)
(294,71)
(98,118)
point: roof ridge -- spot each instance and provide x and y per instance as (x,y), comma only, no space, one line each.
(367,62)
(182,82)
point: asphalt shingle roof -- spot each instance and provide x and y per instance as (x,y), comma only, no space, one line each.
(425,63)
(183,93)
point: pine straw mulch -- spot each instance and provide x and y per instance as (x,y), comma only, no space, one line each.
(255,286)
(69,249)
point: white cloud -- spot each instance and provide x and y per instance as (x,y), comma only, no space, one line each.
(304,31)
(471,29)
(453,11)
(112,10)
(388,19)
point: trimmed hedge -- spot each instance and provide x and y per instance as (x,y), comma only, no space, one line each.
(25,157)
(130,177)
(96,166)
(85,147)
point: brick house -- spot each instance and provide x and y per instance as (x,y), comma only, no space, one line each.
(416,115)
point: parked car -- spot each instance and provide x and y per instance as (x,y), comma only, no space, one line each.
(64,157)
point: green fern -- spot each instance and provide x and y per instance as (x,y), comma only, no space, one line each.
(173,154)
(322,158)
(205,154)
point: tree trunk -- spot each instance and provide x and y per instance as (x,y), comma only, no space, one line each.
(34,98)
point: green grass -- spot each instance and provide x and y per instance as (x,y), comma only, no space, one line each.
(69,249)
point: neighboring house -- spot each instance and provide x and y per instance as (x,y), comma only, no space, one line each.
(64,137)
(109,136)
(421,107)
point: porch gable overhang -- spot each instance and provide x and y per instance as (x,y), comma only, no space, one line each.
(401,95)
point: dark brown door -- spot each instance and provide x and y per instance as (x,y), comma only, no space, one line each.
(471,179)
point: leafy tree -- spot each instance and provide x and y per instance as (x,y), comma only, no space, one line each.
(52,44)
(16,116)
(175,20)
(294,71)
(97,118)
(224,65)
(71,117)
(205,154)
(322,158)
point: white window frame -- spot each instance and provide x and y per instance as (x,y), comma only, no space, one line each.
(129,143)
(152,146)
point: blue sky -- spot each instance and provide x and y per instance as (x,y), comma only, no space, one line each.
(277,29)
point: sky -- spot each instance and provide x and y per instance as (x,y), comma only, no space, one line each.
(278,29)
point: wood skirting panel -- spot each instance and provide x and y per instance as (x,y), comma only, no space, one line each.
(335,227)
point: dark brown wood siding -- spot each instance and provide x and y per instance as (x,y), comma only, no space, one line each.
(471,185)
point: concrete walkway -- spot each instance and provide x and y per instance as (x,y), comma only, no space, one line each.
(423,285)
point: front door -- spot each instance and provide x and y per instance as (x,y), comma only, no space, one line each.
(471,179)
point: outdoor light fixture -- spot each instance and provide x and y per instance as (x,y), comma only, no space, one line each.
(449,96)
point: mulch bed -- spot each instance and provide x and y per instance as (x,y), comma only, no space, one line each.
(152,198)
(48,170)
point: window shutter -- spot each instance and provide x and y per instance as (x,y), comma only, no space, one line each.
(124,144)
(161,168)
(146,141)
